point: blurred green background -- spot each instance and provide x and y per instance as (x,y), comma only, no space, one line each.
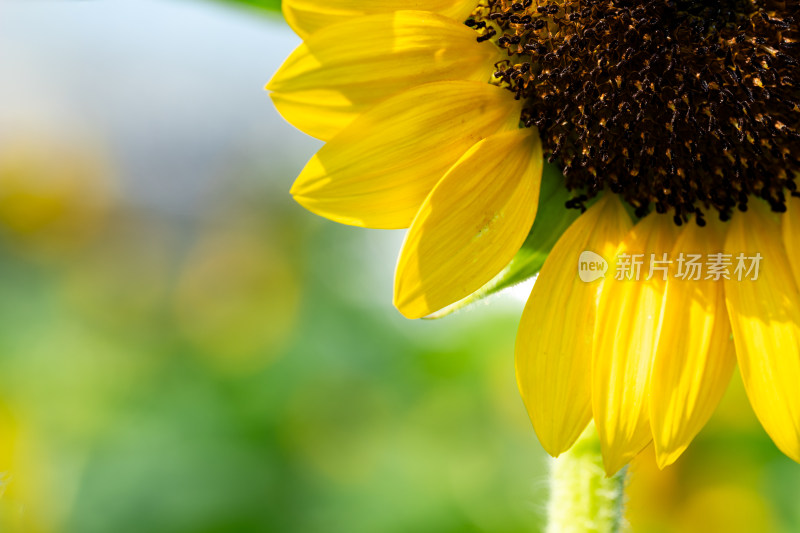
(183,349)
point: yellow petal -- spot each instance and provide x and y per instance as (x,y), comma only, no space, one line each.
(554,341)
(307,16)
(471,224)
(695,357)
(626,335)
(791,235)
(378,171)
(765,319)
(330,114)
(345,69)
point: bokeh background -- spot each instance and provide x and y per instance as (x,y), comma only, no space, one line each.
(185,350)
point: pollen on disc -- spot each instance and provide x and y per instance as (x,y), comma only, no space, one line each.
(688,106)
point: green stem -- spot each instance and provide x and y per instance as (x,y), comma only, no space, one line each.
(582,498)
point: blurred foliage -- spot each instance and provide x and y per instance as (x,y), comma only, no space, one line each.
(233,375)
(242,374)
(53,197)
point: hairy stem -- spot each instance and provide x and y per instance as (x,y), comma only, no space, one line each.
(582,498)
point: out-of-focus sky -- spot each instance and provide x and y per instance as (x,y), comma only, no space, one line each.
(133,75)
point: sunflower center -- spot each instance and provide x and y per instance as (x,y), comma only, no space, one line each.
(686,106)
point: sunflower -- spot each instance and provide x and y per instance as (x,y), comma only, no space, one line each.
(511,137)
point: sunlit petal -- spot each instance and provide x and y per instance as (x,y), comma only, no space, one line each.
(471,224)
(345,69)
(554,341)
(765,318)
(378,171)
(695,357)
(307,16)
(626,335)
(790,226)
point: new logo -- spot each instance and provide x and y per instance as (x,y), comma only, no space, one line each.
(591,267)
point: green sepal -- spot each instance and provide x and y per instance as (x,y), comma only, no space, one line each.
(268,5)
(552,220)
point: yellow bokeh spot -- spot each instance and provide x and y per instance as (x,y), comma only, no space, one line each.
(52,195)
(237,299)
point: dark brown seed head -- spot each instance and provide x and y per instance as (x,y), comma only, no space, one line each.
(681,106)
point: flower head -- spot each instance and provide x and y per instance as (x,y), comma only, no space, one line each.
(671,130)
